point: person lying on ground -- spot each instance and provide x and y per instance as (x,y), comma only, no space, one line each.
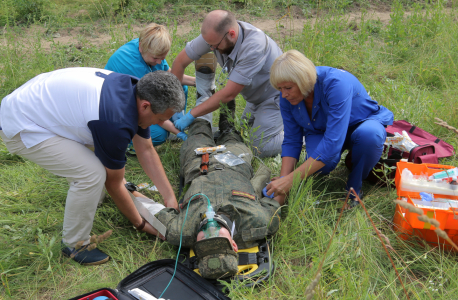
(53,120)
(144,55)
(244,216)
(247,54)
(333,111)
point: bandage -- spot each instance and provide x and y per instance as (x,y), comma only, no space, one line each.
(200,151)
(147,209)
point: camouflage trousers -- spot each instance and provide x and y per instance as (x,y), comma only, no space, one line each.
(232,191)
(200,135)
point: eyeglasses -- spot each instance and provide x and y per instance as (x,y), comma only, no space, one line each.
(217,45)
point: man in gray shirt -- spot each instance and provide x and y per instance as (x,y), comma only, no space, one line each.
(247,53)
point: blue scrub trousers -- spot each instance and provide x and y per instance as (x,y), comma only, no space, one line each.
(158,134)
(365,140)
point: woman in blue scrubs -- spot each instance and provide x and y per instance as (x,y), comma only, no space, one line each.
(142,56)
(333,111)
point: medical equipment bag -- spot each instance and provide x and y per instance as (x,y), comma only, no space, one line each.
(429,150)
(153,279)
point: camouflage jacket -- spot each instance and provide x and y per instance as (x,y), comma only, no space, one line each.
(233,191)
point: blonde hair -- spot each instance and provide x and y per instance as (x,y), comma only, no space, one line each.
(155,39)
(293,66)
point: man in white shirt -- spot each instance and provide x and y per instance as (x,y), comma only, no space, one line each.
(55,118)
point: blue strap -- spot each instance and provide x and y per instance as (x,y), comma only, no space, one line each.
(100,74)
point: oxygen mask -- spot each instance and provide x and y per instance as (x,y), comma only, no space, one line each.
(211,228)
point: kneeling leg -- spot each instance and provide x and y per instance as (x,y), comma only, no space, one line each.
(367,147)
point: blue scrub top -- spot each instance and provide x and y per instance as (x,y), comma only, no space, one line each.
(128,60)
(339,101)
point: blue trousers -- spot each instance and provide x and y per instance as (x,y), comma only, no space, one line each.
(365,140)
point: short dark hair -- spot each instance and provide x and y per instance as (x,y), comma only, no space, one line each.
(223,26)
(162,90)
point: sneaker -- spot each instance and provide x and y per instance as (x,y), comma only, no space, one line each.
(86,257)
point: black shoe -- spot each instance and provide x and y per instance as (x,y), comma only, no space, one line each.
(86,257)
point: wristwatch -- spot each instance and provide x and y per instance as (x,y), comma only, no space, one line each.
(131,187)
(141,226)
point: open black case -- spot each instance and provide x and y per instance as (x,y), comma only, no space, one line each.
(154,277)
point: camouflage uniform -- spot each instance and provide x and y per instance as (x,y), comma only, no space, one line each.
(232,191)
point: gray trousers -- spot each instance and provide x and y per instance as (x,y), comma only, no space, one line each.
(266,117)
(82,169)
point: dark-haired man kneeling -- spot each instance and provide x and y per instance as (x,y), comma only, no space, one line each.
(53,120)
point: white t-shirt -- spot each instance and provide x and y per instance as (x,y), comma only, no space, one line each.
(91,106)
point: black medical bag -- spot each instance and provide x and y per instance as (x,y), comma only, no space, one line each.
(154,277)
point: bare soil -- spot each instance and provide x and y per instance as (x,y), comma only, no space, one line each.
(293,21)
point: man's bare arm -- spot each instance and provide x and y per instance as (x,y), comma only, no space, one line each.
(117,190)
(226,94)
(179,65)
(151,164)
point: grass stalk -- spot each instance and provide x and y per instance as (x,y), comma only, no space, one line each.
(380,238)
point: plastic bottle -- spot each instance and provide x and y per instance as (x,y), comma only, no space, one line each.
(444,174)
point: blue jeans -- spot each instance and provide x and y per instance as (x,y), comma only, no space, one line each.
(365,140)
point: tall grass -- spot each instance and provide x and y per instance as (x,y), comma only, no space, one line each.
(408,65)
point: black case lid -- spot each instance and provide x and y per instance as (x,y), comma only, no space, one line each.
(154,277)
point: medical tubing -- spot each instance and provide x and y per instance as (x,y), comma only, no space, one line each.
(181,237)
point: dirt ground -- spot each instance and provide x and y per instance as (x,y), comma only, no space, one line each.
(290,22)
(267,25)
(293,21)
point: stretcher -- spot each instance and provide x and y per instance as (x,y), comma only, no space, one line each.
(255,265)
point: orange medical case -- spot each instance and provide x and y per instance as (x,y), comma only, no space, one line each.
(407,223)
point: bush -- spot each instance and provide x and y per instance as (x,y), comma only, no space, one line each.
(21,11)
(28,11)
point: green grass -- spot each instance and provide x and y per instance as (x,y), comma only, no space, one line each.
(408,65)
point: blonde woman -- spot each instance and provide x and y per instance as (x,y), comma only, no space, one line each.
(142,56)
(333,111)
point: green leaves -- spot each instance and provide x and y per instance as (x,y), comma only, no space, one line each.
(22,11)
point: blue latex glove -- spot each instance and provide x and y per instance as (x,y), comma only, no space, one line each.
(183,136)
(177,116)
(426,197)
(184,122)
(264,191)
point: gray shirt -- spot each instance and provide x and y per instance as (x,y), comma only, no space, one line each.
(248,64)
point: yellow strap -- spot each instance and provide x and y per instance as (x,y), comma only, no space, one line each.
(429,214)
